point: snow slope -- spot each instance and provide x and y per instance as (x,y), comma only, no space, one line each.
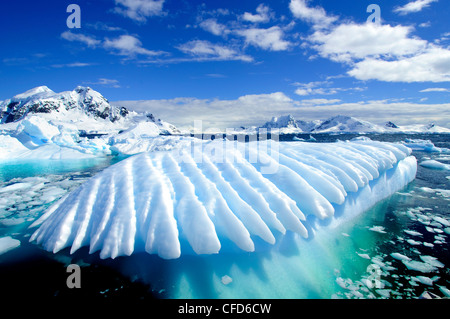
(223,195)
(42,124)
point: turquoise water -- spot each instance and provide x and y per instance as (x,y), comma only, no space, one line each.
(337,264)
(31,168)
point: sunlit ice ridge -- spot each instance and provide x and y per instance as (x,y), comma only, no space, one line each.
(264,214)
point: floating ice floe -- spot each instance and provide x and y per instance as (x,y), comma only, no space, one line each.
(424,145)
(419,266)
(413,232)
(435,165)
(399,256)
(193,199)
(378,229)
(7,243)
(226,280)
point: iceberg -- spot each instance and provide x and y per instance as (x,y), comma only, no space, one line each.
(224,196)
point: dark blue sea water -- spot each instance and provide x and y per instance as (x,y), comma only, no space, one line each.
(407,223)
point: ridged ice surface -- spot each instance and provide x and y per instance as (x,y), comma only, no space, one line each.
(218,191)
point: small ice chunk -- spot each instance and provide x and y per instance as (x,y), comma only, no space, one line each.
(399,256)
(378,229)
(441,220)
(15,187)
(428,295)
(433,261)
(419,266)
(435,165)
(425,280)
(226,280)
(365,256)
(413,242)
(8,243)
(412,232)
(445,291)
(384,292)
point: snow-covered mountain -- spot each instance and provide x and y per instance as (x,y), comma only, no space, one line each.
(83,107)
(43,100)
(288,123)
(40,123)
(341,123)
(345,124)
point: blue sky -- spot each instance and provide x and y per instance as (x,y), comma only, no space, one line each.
(237,62)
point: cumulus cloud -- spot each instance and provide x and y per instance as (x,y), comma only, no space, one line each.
(413,6)
(139,10)
(432,65)
(211,25)
(317,16)
(128,45)
(263,14)
(125,45)
(271,39)
(374,51)
(352,41)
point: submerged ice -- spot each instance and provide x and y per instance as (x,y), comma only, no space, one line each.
(223,195)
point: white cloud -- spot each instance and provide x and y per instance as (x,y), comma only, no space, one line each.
(125,45)
(317,16)
(321,88)
(206,51)
(263,15)
(312,102)
(267,39)
(256,109)
(425,24)
(432,65)
(129,46)
(72,65)
(376,52)
(211,25)
(435,90)
(139,10)
(413,6)
(352,41)
(106,82)
(77,37)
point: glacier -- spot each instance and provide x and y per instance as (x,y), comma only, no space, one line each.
(221,197)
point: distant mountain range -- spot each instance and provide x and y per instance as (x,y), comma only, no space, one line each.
(89,111)
(84,107)
(344,124)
